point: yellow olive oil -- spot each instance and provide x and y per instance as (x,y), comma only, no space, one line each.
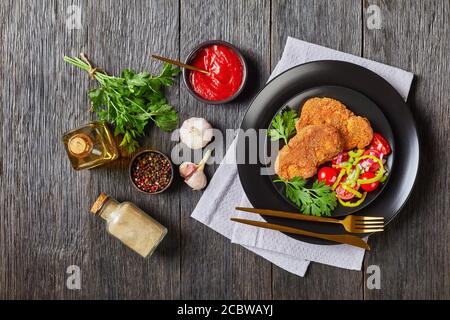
(90,146)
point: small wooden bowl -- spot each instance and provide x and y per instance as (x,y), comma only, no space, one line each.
(131,171)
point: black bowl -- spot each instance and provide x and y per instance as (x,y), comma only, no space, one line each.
(361,106)
(191,56)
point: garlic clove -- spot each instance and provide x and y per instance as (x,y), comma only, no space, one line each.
(187,169)
(193,174)
(196,133)
(197,181)
(202,163)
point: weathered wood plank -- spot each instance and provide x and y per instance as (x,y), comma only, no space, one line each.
(210,266)
(4,281)
(134,31)
(39,228)
(336,24)
(413,254)
(45,221)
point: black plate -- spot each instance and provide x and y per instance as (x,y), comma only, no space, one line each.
(259,189)
(360,105)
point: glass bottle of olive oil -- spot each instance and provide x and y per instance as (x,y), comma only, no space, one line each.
(90,146)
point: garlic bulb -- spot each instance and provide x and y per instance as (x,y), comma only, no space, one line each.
(196,133)
(193,173)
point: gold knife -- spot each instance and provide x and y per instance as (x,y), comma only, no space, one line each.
(340,238)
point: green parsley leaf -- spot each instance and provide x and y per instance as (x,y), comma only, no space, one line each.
(317,201)
(283,126)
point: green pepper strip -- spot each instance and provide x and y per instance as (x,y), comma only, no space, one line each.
(354,178)
(356,154)
(342,165)
(379,174)
(341,174)
(348,168)
(353,204)
(351,190)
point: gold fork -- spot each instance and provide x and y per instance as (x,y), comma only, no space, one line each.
(352,224)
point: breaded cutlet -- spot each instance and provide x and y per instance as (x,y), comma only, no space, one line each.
(355,130)
(309,148)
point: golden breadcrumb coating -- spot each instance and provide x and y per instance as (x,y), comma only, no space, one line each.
(355,130)
(309,148)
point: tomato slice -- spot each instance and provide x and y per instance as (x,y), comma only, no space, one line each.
(373,152)
(370,164)
(343,194)
(369,186)
(340,158)
(328,175)
(380,144)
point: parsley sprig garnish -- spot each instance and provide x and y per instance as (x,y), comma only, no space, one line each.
(318,200)
(283,126)
(130,101)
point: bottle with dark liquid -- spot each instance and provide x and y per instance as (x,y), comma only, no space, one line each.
(90,146)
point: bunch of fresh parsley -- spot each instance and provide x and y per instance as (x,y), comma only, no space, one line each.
(130,101)
(317,200)
(283,126)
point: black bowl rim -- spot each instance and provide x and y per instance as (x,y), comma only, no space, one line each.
(244,73)
(150,151)
(416,137)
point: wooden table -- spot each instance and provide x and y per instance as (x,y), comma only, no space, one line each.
(45,224)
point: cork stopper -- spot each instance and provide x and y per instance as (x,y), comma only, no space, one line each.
(98,204)
(80,145)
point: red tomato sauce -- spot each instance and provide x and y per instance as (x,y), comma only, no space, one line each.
(225,73)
